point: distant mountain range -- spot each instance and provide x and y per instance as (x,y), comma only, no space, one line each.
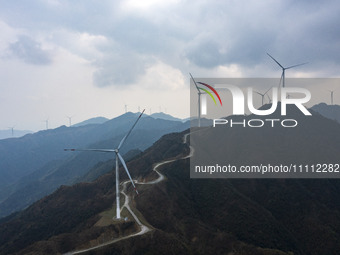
(157,115)
(164,116)
(198,216)
(329,111)
(96,120)
(36,164)
(4,134)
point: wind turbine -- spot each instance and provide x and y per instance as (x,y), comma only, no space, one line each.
(262,95)
(46,121)
(270,100)
(332,92)
(284,70)
(199,101)
(289,96)
(70,119)
(12,129)
(118,156)
(125,106)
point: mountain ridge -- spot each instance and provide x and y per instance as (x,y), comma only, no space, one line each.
(329,111)
(196,216)
(91,121)
(68,167)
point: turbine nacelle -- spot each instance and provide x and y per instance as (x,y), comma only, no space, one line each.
(284,69)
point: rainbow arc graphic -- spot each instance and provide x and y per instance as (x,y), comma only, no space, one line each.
(209,93)
(204,89)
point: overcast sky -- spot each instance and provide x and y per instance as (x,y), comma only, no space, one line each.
(89,58)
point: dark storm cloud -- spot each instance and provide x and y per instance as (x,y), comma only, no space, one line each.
(120,69)
(133,42)
(291,31)
(187,35)
(206,54)
(30,51)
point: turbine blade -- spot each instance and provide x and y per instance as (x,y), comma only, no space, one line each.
(195,83)
(259,93)
(127,135)
(274,60)
(99,150)
(127,171)
(267,91)
(296,65)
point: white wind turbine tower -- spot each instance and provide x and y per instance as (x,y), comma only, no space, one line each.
(70,120)
(332,92)
(118,156)
(284,70)
(199,101)
(262,95)
(46,121)
(12,130)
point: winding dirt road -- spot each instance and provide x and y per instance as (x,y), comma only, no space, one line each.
(143,228)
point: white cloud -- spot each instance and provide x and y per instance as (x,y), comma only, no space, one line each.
(162,77)
(147,5)
(8,35)
(85,45)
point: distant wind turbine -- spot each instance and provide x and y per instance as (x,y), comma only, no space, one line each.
(289,96)
(12,129)
(118,156)
(70,120)
(262,94)
(46,121)
(270,100)
(284,70)
(125,106)
(332,93)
